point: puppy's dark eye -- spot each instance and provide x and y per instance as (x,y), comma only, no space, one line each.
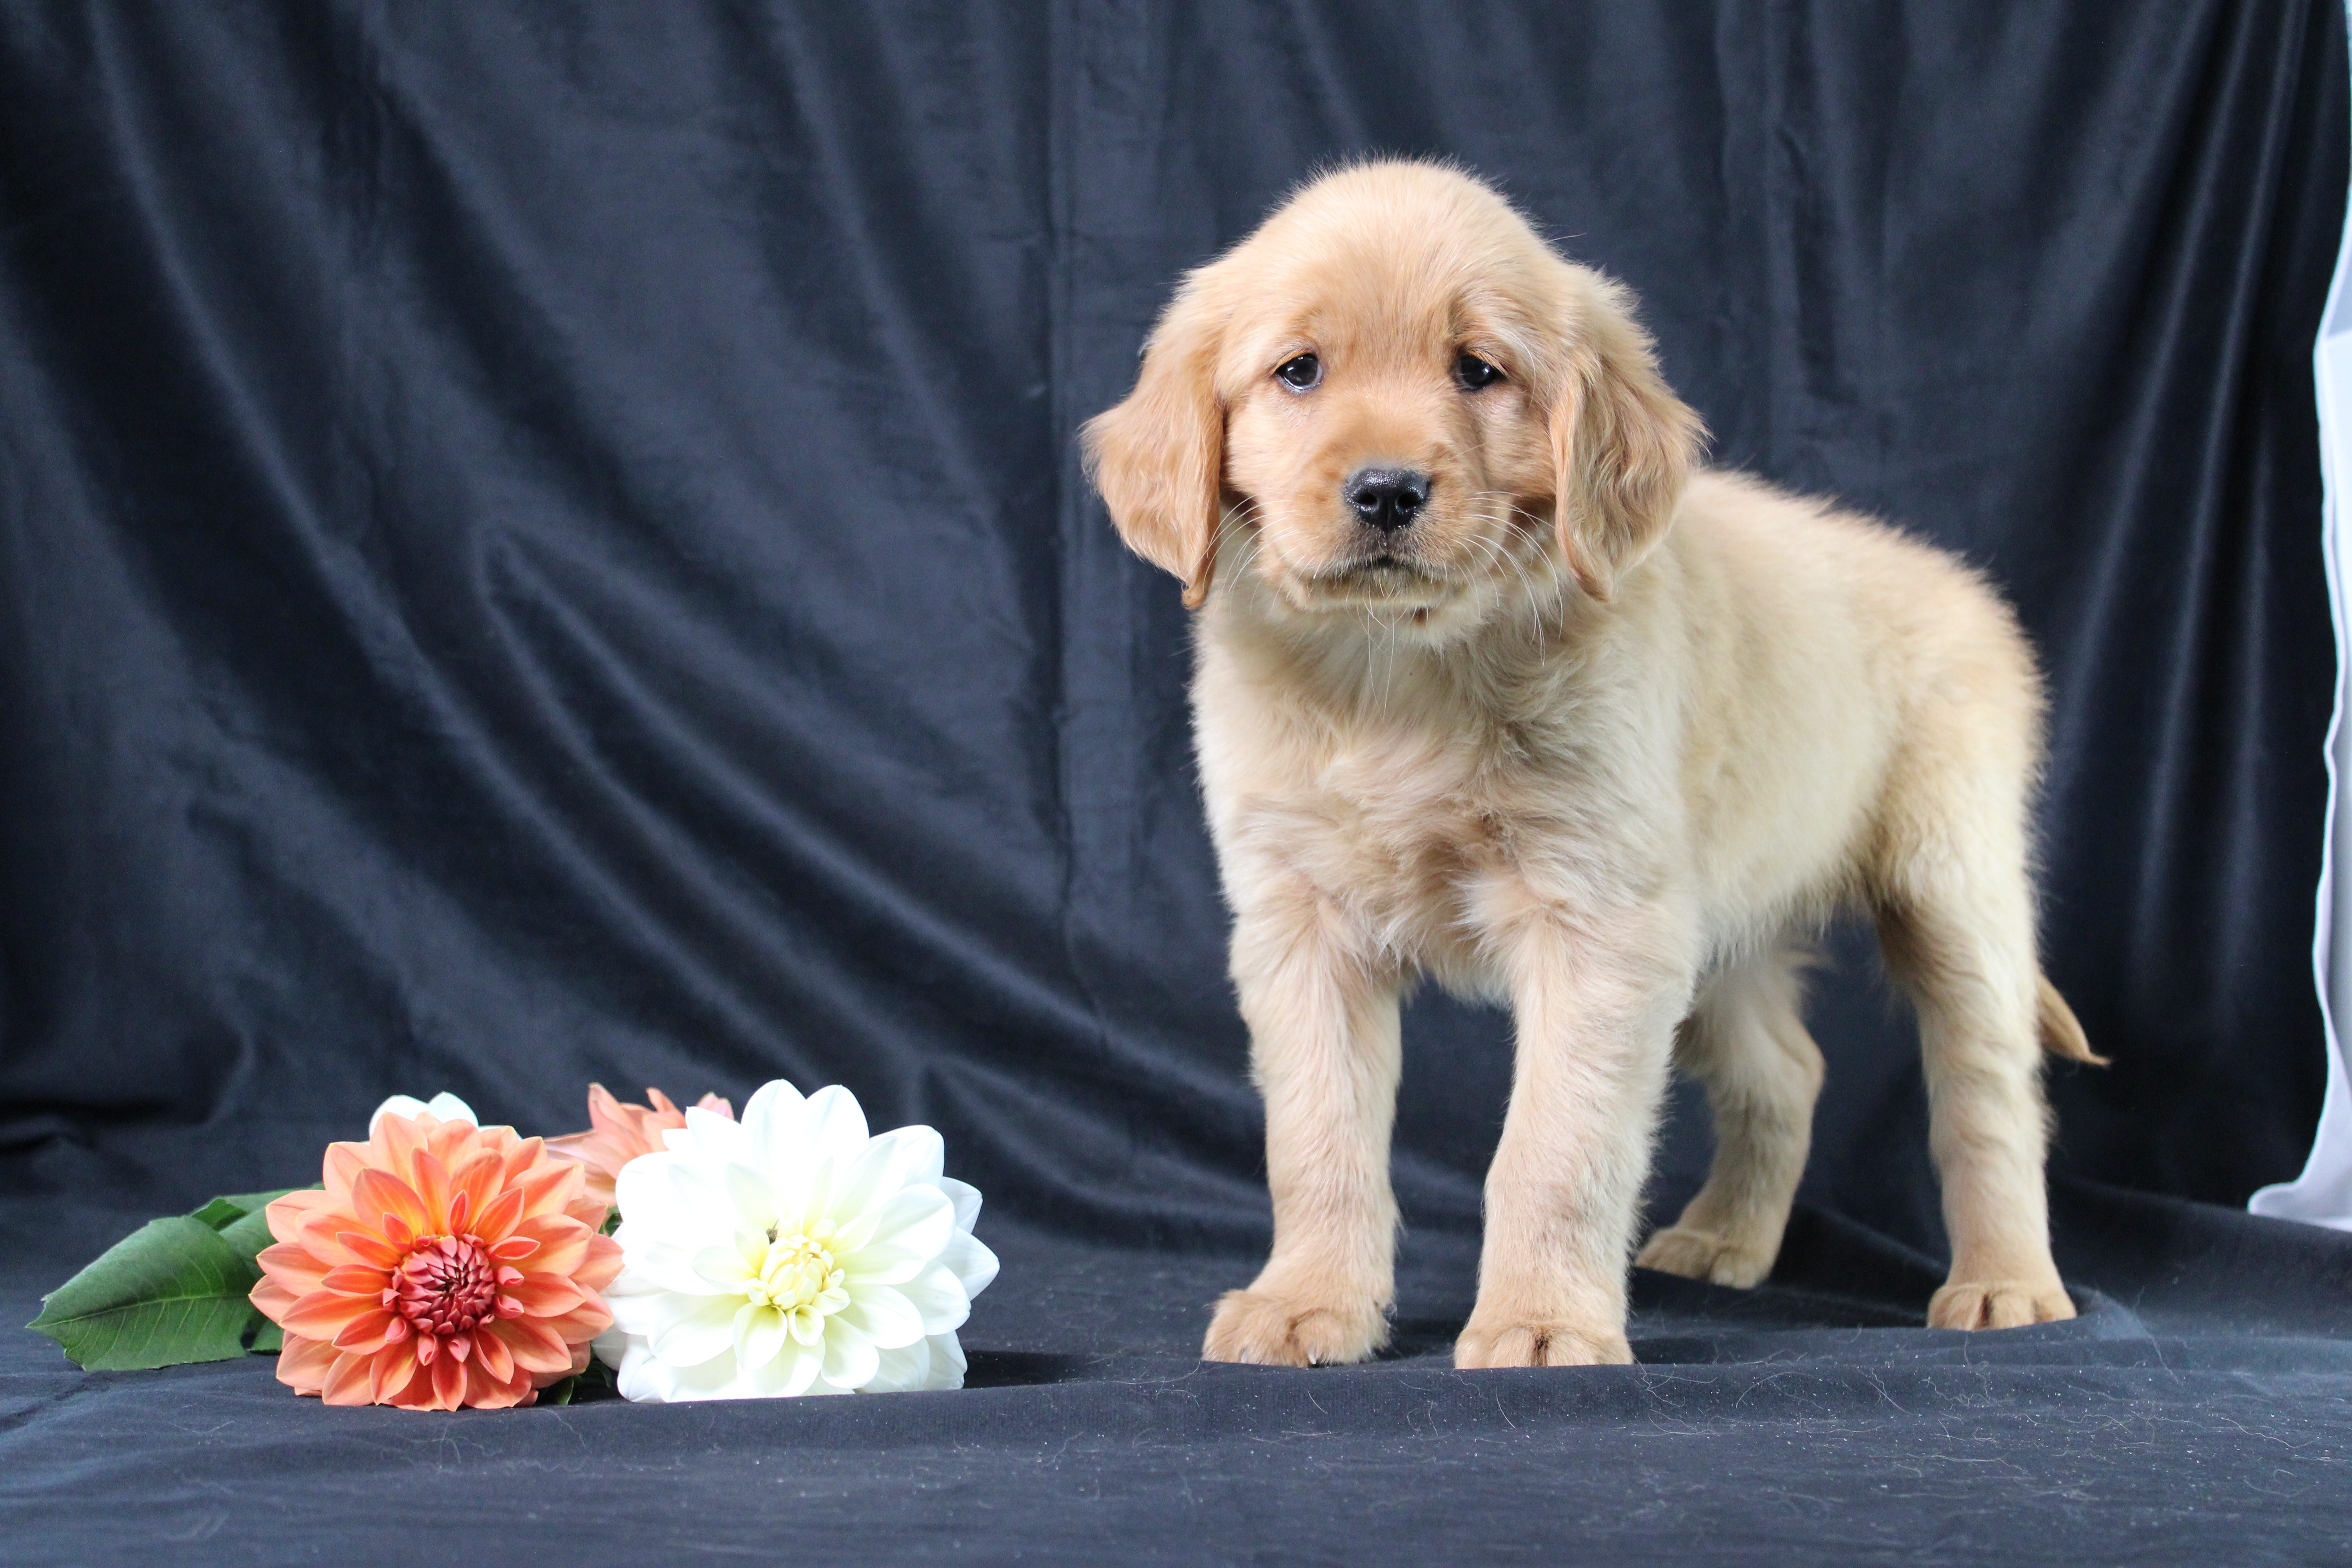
(1473,372)
(1299,373)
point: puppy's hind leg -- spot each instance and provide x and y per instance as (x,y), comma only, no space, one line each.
(1955,919)
(1746,1045)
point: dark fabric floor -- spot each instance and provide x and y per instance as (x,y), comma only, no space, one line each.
(2198,1411)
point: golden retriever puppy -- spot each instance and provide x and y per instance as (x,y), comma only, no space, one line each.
(1496,687)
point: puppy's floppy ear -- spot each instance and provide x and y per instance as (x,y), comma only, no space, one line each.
(1622,443)
(1159,459)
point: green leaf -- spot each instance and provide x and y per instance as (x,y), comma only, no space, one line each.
(219,1212)
(248,1236)
(172,1291)
(222,1212)
(268,1339)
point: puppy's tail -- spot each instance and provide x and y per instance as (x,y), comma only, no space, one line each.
(2062,1033)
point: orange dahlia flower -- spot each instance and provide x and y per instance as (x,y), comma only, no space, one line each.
(620,1132)
(440,1264)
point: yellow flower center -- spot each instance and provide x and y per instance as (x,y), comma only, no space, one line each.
(798,1272)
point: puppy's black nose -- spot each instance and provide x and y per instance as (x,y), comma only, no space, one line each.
(1387,499)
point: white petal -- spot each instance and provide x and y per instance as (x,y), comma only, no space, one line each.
(754,1199)
(898,1159)
(918,1220)
(643,1375)
(883,1315)
(973,1263)
(901,1371)
(639,1315)
(772,1111)
(849,1357)
(836,1127)
(693,1328)
(939,1297)
(964,1196)
(445,1106)
(760,1334)
(853,1229)
(881,1266)
(714,1379)
(807,1362)
(948,1365)
(908,1157)
(713,1135)
(649,1267)
(724,1267)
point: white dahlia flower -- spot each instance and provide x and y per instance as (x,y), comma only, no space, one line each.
(446,1106)
(789,1253)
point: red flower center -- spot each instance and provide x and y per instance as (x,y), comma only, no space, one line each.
(449,1285)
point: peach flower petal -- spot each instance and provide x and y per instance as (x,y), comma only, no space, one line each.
(390,1291)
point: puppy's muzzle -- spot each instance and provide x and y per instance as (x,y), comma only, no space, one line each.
(1387,499)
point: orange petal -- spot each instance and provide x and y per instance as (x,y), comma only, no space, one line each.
(535,1348)
(375,1193)
(484,1391)
(348,1382)
(284,1215)
(292,1266)
(603,1265)
(564,1243)
(547,1295)
(369,1249)
(272,1299)
(550,1185)
(323,1314)
(321,1232)
(393,1143)
(432,1185)
(448,1382)
(368,1333)
(514,1249)
(603,1107)
(497,1219)
(357,1280)
(304,1363)
(479,1177)
(580,1325)
(495,1359)
(716,1104)
(344,1163)
(448,1140)
(396,1368)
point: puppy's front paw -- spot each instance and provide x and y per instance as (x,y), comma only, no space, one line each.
(1702,1255)
(1267,1330)
(1540,1345)
(1998,1304)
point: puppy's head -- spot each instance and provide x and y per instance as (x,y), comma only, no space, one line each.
(1394,396)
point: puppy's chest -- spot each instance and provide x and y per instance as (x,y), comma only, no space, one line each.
(1397,823)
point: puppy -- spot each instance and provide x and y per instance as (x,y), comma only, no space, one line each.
(1494,686)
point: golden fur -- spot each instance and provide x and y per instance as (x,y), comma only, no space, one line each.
(1600,733)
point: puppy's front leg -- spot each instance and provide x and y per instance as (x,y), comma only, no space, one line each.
(1596,1002)
(1324,1047)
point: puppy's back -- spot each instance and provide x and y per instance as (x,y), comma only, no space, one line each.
(1821,654)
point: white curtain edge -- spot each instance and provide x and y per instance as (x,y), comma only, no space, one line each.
(2322,1193)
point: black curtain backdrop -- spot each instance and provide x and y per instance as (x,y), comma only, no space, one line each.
(541,543)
